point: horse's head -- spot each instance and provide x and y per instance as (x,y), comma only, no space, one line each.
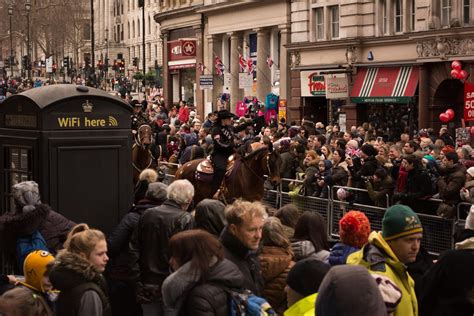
(145,135)
(273,166)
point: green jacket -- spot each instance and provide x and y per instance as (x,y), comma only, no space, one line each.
(304,307)
(378,257)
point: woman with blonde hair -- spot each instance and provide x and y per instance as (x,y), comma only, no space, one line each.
(275,262)
(77,273)
(21,301)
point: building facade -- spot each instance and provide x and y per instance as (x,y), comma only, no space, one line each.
(390,59)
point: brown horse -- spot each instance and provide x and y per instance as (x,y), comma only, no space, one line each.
(246,181)
(142,156)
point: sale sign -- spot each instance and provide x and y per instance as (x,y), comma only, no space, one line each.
(468,101)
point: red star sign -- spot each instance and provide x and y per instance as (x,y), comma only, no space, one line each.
(189,48)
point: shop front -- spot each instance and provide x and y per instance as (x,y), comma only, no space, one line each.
(182,70)
(387,98)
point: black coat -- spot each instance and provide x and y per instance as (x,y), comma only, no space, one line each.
(149,247)
(245,259)
(416,191)
(210,297)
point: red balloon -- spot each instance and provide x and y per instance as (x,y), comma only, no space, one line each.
(472,130)
(443,117)
(450,113)
(463,74)
(456,65)
(455,74)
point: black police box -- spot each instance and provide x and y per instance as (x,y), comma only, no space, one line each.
(75,141)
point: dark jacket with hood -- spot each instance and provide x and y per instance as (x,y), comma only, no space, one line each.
(378,191)
(185,293)
(209,215)
(53,227)
(310,175)
(451,182)
(118,242)
(245,259)
(192,149)
(83,288)
(416,191)
(149,246)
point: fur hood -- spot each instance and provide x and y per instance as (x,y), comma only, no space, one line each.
(25,223)
(71,269)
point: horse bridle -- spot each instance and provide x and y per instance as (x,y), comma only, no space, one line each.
(267,157)
(138,143)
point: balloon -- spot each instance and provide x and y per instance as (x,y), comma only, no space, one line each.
(455,74)
(450,113)
(456,65)
(443,117)
(463,74)
(472,130)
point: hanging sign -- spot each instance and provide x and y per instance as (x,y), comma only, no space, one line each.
(468,101)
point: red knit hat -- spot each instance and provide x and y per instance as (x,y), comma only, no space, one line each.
(354,229)
(448,149)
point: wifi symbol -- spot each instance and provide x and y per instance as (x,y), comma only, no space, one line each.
(113,121)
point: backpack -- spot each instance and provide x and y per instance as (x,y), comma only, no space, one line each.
(27,244)
(245,303)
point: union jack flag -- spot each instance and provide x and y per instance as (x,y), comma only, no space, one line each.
(250,66)
(269,61)
(201,67)
(219,66)
(242,63)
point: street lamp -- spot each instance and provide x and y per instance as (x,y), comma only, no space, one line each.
(106,56)
(28,65)
(10,13)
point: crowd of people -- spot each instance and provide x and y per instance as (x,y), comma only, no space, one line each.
(167,258)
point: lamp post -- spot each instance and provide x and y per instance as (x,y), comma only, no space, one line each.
(28,66)
(141,3)
(92,41)
(106,56)
(10,13)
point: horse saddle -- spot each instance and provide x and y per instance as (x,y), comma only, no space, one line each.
(205,169)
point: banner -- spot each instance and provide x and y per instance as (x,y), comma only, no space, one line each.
(468,101)
(314,82)
(281,109)
(245,80)
(206,82)
(337,88)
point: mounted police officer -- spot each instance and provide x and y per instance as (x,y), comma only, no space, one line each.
(138,117)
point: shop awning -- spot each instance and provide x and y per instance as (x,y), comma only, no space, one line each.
(385,85)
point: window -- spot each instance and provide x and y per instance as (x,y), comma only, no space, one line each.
(133,29)
(412,15)
(156,51)
(466,10)
(87,31)
(128,30)
(445,12)
(18,168)
(398,16)
(384,17)
(138,28)
(334,10)
(121,32)
(319,23)
(149,25)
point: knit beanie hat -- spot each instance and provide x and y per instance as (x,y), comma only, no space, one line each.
(369,150)
(448,149)
(34,269)
(399,221)
(306,276)
(156,191)
(26,195)
(470,171)
(354,229)
(470,219)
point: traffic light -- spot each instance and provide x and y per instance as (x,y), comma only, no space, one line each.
(54,68)
(100,64)
(122,64)
(7,62)
(66,62)
(106,65)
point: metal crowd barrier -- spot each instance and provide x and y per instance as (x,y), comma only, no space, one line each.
(462,211)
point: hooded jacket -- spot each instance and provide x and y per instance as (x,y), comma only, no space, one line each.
(304,307)
(83,290)
(209,215)
(185,293)
(448,287)
(451,183)
(245,259)
(303,249)
(378,257)
(53,227)
(275,263)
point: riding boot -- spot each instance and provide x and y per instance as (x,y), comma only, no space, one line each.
(217,181)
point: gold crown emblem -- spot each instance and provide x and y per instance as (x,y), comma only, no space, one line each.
(87,107)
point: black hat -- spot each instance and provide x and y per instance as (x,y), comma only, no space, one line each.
(306,276)
(135,103)
(224,114)
(369,150)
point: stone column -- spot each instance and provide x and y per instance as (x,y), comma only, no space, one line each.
(424,96)
(199,102)
(264,77)
(167,86)
(283,63)
(236,94)
(214,43)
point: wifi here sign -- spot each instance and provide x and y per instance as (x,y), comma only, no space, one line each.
(86,122)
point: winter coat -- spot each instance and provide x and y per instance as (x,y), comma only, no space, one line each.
(305,249)
(468,195)
(367,169)
(304,307)
(118,242)
(209,215)
(275,263)
(340,174)
(416,191)
(83,290)
(451,183)
(149,245)
(288,166)
(245,259)
(310,175)
(378,191)
(339,253)
(203,298)
(191,146)
(53,227)
(448,287)
(378,257)
(183,114)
